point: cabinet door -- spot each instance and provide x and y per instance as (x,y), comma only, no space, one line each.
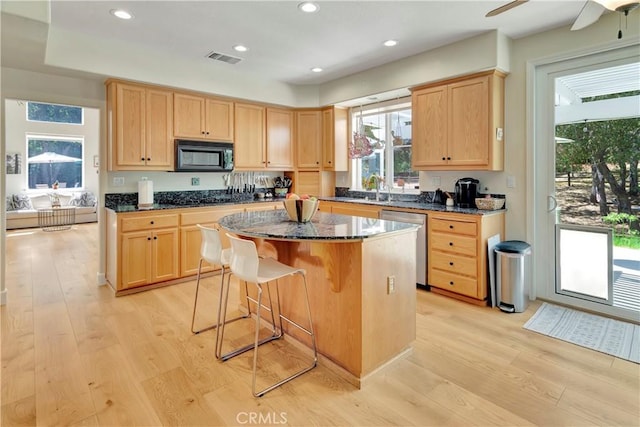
(188,116)
(159,129)
(279,139)
(249,136)
(309,139)
(469,122)
(190,243)
(219,120)
(135,259)
(164,255)
(429,127)
(130,125)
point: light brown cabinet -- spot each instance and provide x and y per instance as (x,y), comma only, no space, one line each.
(356,210)
(457,253)
(250,136)
(458,124)
(334,139)
(142,249)
(199,117)
(140,132)
(279,145)
(309,139)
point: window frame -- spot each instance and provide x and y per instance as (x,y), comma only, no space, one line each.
(54,137)
(81,123)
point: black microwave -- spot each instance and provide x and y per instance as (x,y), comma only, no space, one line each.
(201,156)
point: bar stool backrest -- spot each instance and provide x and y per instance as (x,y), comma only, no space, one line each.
(244,259)
(211,247)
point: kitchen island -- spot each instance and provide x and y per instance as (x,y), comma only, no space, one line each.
(362,283)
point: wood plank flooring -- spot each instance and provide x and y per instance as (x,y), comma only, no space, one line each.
(73,354)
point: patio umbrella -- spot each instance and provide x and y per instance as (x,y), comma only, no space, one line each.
(51,158)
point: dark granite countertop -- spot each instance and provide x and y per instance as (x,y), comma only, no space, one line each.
(127,207)
(275,224)
(413,205)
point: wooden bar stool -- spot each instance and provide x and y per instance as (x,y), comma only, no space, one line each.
(212,252)
(247,266)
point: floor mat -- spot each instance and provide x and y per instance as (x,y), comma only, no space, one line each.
(614,337)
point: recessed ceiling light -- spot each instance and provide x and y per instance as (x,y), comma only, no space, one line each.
(121,13)
(240,48)
(316,70)
(390,43)
(308,7)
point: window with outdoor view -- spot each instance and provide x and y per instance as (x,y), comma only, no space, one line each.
(384,158)
(54,162)
(54,113)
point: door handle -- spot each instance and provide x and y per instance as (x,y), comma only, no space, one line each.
(553,201)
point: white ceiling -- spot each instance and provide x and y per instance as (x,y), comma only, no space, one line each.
(344,37)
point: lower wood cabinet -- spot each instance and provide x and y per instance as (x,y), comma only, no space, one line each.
(142,248)
(149,248)
(356,210)
(457,253)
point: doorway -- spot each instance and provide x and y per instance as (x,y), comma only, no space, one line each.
(588,183)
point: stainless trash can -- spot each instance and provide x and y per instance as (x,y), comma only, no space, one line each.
(510,275)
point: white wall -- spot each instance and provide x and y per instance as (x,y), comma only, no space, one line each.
(19,127)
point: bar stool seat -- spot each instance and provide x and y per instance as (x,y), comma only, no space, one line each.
(247,266)
(211,251)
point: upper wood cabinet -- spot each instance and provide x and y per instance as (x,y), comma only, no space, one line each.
(279,150)
(309,139)
(140,131)
(202,118)
(458,124)
(263,137)
(250,152)
(334,139)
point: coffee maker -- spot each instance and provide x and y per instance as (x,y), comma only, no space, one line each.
(466,192)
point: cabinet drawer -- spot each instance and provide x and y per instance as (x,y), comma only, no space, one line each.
(454,283)
(461,245)
(149,222)
(457,227)
(454,263)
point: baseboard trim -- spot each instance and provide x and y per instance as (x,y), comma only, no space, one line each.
(102,279)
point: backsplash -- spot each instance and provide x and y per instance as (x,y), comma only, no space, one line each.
(423,197)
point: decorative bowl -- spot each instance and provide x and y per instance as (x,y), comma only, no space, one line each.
(300,210)
(489,204)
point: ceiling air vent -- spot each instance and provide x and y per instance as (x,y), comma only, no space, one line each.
(224,58)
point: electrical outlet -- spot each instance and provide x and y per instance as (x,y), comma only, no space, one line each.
(511,181)
(391,284)
(435,181)
(118,181)
(195,181)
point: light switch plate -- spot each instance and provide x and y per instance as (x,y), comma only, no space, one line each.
(511,181)
(118,181)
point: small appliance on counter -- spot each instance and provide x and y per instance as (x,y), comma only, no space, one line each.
(466,192)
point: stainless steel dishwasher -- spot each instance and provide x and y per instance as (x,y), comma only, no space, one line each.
(421,241)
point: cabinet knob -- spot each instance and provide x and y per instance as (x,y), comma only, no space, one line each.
(148,159)
(155,237)
(151,222)
(451,227)
(448,158)
(202,132)
(450,243)
(329,161)
(451,283)
(207,132)
(142,159)
(444,158)
(148,238)
(450,263)
(317,163)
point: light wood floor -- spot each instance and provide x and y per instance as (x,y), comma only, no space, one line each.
(73,354)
